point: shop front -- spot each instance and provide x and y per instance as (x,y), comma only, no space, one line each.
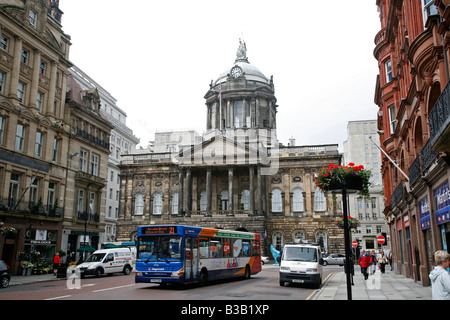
(442,205)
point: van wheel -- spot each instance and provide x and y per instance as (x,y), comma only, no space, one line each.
(127,270)
(98,273)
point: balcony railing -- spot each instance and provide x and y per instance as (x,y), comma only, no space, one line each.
(12,205)
(414,171)
(428,155)
(397,195)
(88,216)
(439,118)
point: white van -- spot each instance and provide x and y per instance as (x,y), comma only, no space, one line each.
(108,261)
(301,263)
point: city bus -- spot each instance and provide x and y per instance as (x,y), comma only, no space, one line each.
(183,254)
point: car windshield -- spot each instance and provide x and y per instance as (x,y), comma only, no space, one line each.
(96,257)
(300,254)
(159,248)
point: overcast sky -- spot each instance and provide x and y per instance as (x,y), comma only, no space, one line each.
(157,58)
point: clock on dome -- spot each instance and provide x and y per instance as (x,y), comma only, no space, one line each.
(236,72)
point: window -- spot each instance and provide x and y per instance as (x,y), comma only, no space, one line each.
(238,114)
(139,204)
(368,229)
(299,236)
(34,191)
(2,129)
(32,18)
(111,176)
(25,57)
(2,82)
(91,202)
(203,201)
(39,101)
(175,203)
(223,200)
(55,149)
(94,164)
(157,203)
(278,240)
(38,144)
(43,68)
(20,137)
(80,200)
(388,67)
(297,198)
(51,198)
(83,161)
(392,117)
(428,9)
(319,200)
(4,43)
(245,200)
(21,91)
(277,205)
(13,195)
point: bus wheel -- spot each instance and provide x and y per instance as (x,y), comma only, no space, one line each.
(203,277)
(247,272)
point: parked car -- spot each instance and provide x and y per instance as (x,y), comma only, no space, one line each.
(334,258)
(5,276)
(264,259)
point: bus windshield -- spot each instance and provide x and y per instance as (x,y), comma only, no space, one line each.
(159,248)
(300,254)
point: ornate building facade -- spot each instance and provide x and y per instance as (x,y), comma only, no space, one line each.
(238,176)
(412,92)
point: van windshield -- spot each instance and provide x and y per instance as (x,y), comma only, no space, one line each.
(159,248)
(300,254)
(96,257)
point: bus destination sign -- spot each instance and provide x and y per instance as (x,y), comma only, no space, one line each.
(159,230)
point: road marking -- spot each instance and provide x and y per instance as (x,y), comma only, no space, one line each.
(113,288)
(61,297)
(318,290)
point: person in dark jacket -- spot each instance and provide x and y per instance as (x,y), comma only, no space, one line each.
(364,261)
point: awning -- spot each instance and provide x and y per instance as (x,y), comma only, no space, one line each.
(86,248)
(111,245)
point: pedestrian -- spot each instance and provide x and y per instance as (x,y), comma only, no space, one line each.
(364,262)
(382,261)
(390,258)
(373,262)
(56,262)
(440,278)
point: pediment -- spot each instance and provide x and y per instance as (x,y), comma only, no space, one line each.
(219,151)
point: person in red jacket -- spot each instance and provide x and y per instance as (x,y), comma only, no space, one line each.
(56,262)
(364,261)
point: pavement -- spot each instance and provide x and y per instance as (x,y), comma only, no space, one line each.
(381,286)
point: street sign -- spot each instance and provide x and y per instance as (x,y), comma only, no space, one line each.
(354,243)
(381,240)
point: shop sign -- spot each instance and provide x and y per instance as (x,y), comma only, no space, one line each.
(442,200)
(424,211)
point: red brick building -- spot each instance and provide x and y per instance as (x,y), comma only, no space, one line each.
(413,95)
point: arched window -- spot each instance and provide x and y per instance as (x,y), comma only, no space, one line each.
(245,200)
(203,201)
(297,199)
(175,203)
(299,236)
(277,204)
(278,240)
(319,200)
(139,204)
(157,203)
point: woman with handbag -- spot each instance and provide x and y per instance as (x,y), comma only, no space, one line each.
(382,260)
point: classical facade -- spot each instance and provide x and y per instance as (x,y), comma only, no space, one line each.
(34,55)
(238,176)
(412,92)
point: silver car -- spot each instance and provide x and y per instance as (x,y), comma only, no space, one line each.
(264,259)
(334,258)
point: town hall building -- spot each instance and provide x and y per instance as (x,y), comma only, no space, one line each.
(237,176)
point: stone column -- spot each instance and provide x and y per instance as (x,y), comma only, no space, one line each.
(188,192)
(260,198)
(230,192)
(16,68)
(52,90)
(252,190)
(180,191)
(208,191)
(35,80)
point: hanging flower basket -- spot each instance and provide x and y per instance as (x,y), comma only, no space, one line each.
(336,178)
(353,223)
(7,231)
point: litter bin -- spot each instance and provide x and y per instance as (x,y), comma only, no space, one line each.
(61,272)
